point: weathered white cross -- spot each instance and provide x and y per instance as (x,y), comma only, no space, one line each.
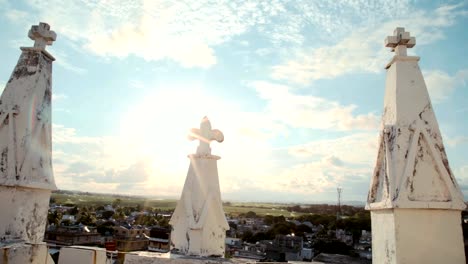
(400,41)
(205,134)
(42,35)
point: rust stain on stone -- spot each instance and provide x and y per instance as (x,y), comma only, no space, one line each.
(4,160)
(376,177)
(26,61)
(426,108)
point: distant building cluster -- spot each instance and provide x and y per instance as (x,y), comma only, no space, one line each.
(246,239)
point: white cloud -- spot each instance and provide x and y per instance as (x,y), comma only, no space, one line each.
(136,84)
(461,174)
(16,15)
(323,165)
(318,177)
(305,111)
(343,148)
(63,61)
(105,164)
(441,85)
(153,153)
(455,141)
(56,97)
(187,32)
(362,50)
(183,32)
(160,147)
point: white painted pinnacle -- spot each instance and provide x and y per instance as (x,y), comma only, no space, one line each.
(199,223)
(205,134)
(42,35)
(414,198)
(26,173)
(400,41)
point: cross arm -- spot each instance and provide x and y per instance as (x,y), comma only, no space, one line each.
(194,134)
(217,135)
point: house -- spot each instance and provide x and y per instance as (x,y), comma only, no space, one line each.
(285,248)
(131,238)
(344,236)
(159,240)
(72,235)
(71,218)
(231,241)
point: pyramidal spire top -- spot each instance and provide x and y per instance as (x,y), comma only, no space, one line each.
(413,192)
(412,169)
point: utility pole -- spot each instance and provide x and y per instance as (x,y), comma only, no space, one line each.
(338,209)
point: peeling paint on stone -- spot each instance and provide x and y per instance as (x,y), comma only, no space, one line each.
(409,125)
(26,175)
(413,192)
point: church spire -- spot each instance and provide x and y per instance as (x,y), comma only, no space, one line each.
(414,199)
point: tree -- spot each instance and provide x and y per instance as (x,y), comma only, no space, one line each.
(74,210)
(145,220)
(251,214)
(66,222)
(116,203)
(106,229)
(86,218)
(331,247)
(269,219)
(164,222)
(279,219)
(119,214)
(261,236)
(107,214)
(282,228)
(54,218)
(247,235)
(232,225)
(301,229)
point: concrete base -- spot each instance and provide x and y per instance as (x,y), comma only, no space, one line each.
(23,213)
(21,253)
(401,236)
(82,255)
(168,258)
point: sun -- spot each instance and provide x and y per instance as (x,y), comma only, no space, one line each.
(158,126)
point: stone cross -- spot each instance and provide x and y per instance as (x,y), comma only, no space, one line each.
(400,41)
(205,134)
(42,35)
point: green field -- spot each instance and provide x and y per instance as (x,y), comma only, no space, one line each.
(246,207)
(85,199)
(80,199)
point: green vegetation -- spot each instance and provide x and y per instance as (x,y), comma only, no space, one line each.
(90,209)
(316,214)
(237,210)
(81,199)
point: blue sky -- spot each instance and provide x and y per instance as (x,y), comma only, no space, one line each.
(296,86)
